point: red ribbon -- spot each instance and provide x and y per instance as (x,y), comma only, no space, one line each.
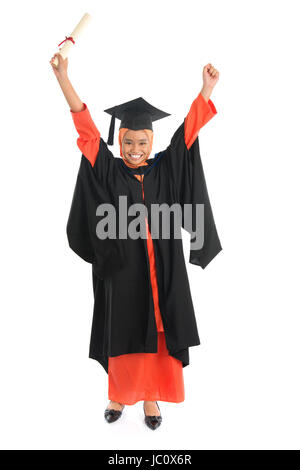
(67,38)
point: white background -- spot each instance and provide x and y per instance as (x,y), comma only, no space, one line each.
(242,384)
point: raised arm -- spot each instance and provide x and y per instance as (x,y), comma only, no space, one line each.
(202,108)
(89,136)
(61,73)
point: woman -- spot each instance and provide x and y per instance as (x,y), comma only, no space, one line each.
(142,364)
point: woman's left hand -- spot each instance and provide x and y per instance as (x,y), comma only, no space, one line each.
(210,76)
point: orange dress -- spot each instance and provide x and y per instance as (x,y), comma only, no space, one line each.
(145,376)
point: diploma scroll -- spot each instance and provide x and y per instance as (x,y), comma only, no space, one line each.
(71,40)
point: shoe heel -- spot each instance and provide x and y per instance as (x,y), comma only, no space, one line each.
(153,422)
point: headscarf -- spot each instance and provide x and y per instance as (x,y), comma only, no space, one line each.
(122,132)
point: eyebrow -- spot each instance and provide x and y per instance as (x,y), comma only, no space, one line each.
(141,140)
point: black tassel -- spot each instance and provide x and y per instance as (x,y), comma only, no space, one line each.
(110,140)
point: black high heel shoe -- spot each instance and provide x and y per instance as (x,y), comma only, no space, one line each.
(112,415)
(152,421)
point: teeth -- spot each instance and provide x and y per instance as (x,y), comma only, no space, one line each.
(135,156)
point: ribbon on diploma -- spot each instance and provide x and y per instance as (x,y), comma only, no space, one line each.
(68,38)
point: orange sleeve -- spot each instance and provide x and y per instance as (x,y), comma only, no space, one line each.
(199,114)
(89,136)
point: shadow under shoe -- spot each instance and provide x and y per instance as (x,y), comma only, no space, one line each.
(112,415)
(152,421)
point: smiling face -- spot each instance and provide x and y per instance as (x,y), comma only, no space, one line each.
(136,147)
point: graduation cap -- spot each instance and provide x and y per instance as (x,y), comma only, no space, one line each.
(135,114)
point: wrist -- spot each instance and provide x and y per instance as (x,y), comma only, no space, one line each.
(206,92)
(63,77)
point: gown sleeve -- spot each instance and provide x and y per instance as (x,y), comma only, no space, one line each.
(89,136)
(184,167)
(91,189)
(91,144)
(199,114)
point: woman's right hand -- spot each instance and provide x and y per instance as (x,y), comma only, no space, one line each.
(60,70)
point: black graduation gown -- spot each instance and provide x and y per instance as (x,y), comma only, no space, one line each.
(123,316)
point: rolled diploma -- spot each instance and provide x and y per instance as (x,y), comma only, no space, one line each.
(67,45)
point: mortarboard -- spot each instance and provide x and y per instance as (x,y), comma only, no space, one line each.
(135,114)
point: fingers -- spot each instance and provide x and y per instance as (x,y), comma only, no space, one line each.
(59,58)
(51,62)
(213,72)
(61,61)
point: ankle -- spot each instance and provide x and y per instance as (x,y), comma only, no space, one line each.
(115,405)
